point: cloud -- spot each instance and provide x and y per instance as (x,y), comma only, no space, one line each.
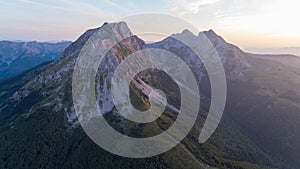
(51,20)
(182,7)
(117,6)
(77,7)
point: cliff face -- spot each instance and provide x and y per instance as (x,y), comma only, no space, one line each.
(38,108)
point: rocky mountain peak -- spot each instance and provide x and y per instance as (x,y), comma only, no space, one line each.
(185,35)
(121,28)
(232,57)
(187,32)
(213,37)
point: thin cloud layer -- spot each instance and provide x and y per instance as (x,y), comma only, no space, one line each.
(182,7)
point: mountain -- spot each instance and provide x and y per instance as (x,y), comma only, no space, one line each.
(16,57)
(262,96)
(269,100)
(40,111)
(39,127)
(276,51)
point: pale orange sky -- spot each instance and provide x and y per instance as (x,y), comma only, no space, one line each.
(260,40)
(246,23)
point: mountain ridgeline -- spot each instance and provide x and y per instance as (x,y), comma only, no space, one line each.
(16,57)
(259,128)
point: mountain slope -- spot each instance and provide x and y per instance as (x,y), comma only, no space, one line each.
(40,112)
(263,92)
(39,128)
(270,111)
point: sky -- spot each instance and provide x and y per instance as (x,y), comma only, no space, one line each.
(246,23)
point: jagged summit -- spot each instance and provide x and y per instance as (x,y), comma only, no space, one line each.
(213,37)
(119,26)
(187,35)
(187,32)
(119,30)
(116,28)
(232,57)
(210,32)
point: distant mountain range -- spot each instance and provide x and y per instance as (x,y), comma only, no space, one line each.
(259,129)
(16,57)
(280,51)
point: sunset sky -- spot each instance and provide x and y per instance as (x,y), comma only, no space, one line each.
(247,23)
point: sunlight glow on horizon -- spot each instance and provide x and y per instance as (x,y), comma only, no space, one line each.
(246,23)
